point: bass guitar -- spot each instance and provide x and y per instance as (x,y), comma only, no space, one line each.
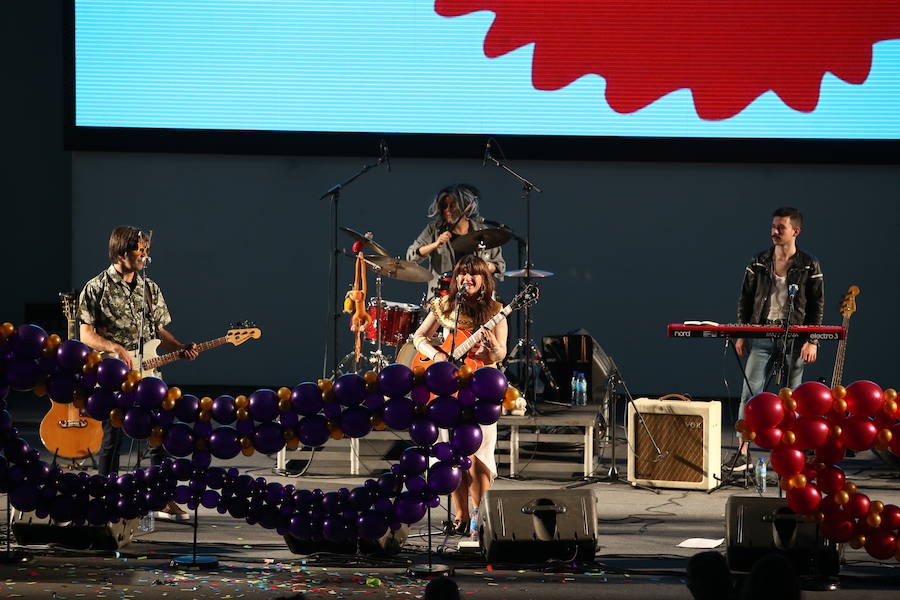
(66,430)
(151,363)
(466,340)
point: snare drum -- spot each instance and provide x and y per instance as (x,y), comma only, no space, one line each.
(398,322)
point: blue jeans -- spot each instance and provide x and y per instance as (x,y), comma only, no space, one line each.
(764,356)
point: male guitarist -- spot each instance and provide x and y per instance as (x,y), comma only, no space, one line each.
(776,279)
(110,309)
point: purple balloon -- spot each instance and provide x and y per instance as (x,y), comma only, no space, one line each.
(334,529)
(371,525)
(223,410)
(349,389)
(179,440)
(86,381)
(420,394)
(28,341)
(416,484)
(22,373)
(395,380)
(288,420)
(313,430)
(306,399)
(487,412)
(187,407)
(224,443)
(413,461)
(137,423)
(466,397)
(361,498)
(72,355)
(201,459)
(423,431)
(268,438)
(465,463)
(209,499)
(409,508)
(124,400)
(489,384)
(48,365)
(149,392)
(24,497)
(356,421)
(443,451)
(332,410)
(163,418)
(245,428)
(398,413)
(374,401)
(390,484)
(61,388)
(111,373)
(466,438)
(444,411)
(444,477)
(440,378)
(263,405)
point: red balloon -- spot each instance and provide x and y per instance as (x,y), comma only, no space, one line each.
(787,461)
(810,472)
(881,544)
(768,438)
(837,529)
(884,421)
(811,432)
(804,500)
(813,399)
(890,517)
(895,440)
(788,421)
(858,433)
(832,479)
(858,506)
(864,398)
(763,411)
(831,452)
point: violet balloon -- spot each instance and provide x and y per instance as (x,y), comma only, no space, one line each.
(111,372)
(223,410)
(409,508)
(444,411)
(423,431)
(444,477)
(349,389)
(61,387)
(440,378)
(187,407)
(149,392)
(356,421)
(398,413)
(313,430)
(395,380)
(268,438)
(263,405)
(72,355)
(413,461)
(466,438)
(179,440)
(137,423)
(306,399)
(486,412)
(28,341)
(489,383)
(22,373)
(371,525)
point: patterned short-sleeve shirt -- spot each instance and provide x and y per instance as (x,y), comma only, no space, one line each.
(113,307)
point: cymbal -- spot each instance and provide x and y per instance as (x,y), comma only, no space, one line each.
(470,242)
(527,273)
(396,268)
(361,238)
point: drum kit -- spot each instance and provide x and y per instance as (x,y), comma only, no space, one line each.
(393,323)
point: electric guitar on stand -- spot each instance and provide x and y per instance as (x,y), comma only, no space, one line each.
(848,307)
(466,340)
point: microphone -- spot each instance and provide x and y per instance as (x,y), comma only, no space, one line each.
(487,153)
(463,289)
(385,154)
(792,290)
(484,221)
(147,261)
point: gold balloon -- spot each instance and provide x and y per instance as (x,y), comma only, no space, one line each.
(857,541)
(511,393)
(242,414)
(205,416)
(54,341)
(115,417)
(379,425)
(876,507)
(838,392)
(889,407)
(248,451)
(839,406)
(850,487)
(49,352)
(890,394)
(509,404)
(128,386)
(174,393)
(133,376)
(790,405)
(88,368)
(327,396)
(206,403)
(337,434)
(751,435)
(155,441)
(325,385)
(284,393)
(40,389)
(371,387)
(836,432)
(842,497)
(465,372)
(292,444)
(788,438)
(787,484)
(799,480)
(157,431)
(370,376)
(241,402)
(7,329)
(284,404)
(784,393)
(246,442)
(288,435)
(885,435)
(94,358)
(167,403)
(418,371)
(873,520)
(200,444)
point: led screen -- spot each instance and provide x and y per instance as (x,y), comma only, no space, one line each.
(796,69)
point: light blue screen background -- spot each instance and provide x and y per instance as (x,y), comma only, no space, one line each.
(392,66)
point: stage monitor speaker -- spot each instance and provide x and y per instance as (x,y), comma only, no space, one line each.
(30,530)
(530,526)
(756,526)
(564,354)
(387,545)
(689,434)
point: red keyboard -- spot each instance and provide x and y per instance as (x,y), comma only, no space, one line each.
(816,332)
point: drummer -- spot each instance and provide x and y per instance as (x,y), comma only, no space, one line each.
(454,211)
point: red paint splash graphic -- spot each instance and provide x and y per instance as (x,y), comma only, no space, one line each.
(726,52)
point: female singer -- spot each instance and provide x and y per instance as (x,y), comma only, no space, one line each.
(471,295)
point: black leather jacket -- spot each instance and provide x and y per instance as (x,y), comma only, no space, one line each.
(809,303)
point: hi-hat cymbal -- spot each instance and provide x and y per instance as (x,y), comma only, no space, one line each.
(489,238)
(396,268)
(527,273)
(362,238)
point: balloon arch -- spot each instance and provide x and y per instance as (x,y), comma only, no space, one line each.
(266,421)
(813,417)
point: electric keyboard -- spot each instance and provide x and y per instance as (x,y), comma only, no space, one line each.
(815,332)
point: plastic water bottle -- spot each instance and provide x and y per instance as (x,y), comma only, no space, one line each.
(582,389)
(473,526)
(147,523)
(761,476)
(574,386)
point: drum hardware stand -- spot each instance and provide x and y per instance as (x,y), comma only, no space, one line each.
(333,194)
(527,188)
(612,475)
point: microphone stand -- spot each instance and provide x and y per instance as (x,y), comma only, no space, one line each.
(527,188)
(783,367)
(333,194)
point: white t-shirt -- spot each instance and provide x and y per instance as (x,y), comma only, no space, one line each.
(778,299)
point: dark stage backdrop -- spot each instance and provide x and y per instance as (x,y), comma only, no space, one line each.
(633,246)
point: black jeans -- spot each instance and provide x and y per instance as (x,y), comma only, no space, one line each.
(110,448)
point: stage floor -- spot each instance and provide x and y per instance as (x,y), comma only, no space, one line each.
(638,557)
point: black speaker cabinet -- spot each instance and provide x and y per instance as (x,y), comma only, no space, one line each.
(532,526)
(756,526)
(387,545)
(30,530)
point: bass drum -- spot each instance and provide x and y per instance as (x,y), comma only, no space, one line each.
(405,354)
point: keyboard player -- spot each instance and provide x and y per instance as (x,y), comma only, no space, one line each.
(770,280)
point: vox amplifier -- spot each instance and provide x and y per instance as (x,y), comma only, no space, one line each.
(689,437)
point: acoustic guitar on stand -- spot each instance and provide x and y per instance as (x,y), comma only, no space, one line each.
(466,340)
